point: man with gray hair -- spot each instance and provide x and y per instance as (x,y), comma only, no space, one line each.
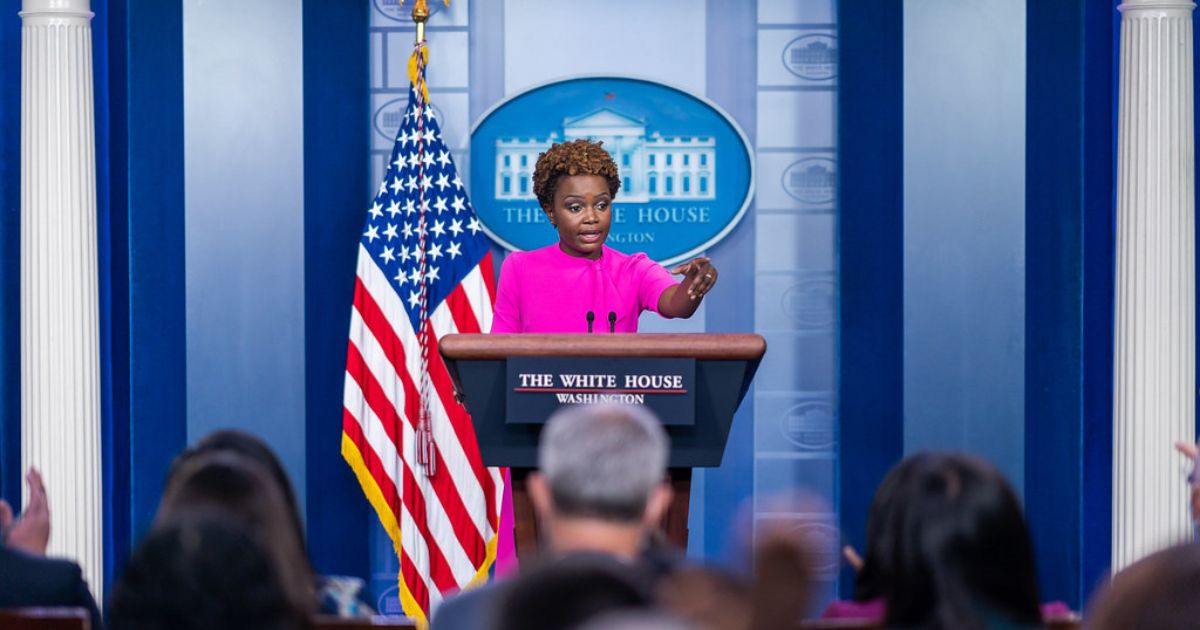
(601,480)
(599,492)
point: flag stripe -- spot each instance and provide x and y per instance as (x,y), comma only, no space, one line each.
(427,514)
(460,309)
(441,497)
(380,472)
(394,332)
(475,288)
(449,459)
(366,466)
(372,462)
(489,280)
(439,325)
(414,509)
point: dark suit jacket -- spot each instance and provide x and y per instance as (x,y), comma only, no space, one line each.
(476,609)
(29,580)
(470,610)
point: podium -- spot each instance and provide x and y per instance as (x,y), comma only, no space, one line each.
(716,369)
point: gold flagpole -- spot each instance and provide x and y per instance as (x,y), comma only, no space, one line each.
(420,15)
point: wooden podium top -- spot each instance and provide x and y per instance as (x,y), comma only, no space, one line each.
(705,346)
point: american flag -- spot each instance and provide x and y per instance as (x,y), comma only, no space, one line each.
(424,271)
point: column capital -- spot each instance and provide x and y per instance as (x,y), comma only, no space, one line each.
(1156,5)
(56,8)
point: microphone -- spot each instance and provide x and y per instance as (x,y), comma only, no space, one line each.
(612,322)
(591,317)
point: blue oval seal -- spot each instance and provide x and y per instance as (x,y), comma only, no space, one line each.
(687,169)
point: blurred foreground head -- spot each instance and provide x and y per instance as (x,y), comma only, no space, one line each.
(566,594)
(242,492)
(777,596)
(958,553)
(200,570)
(1159,592)
(255,450)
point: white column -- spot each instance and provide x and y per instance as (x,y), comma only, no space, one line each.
(1154,362)
(60,375)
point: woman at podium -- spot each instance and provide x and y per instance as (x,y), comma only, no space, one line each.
(578,285)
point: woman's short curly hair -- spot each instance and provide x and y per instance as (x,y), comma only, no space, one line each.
(577,157)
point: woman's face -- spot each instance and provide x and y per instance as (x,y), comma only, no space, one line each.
(582,213)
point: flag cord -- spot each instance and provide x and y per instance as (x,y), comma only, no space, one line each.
(425,444)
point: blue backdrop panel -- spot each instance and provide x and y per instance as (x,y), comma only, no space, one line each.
(871,256)
(139,79)
(795,420)
(964,229)
(1069,258)
(336,115)
(730,52)
(10,255)
(244,163)
(1101,28)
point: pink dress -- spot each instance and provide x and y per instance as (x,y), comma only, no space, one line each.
(549,291)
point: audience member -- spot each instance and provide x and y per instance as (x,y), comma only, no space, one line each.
(257,451)
(199,569)
(336,595)
(873,569)
(962,558)
(1192,451)
(888,537)
(601,480)
(783,572)
(777,597)
(567,593)
(31,532)
(1155,593)
(600,490)
(27,577)
(242,491)
(638,620)
(708,598)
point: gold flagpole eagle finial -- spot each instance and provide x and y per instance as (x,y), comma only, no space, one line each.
(420,15)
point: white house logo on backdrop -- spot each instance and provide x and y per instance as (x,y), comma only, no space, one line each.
(392,9)
(811,180)
(812,57)
(824,539)
(389,115)
(674,202)
(810,304)
(809,425)
(653,167)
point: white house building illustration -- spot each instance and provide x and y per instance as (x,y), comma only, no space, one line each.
(652,167)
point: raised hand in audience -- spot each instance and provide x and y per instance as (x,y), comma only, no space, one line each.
(850,554)
(1190,451)
(30,532)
